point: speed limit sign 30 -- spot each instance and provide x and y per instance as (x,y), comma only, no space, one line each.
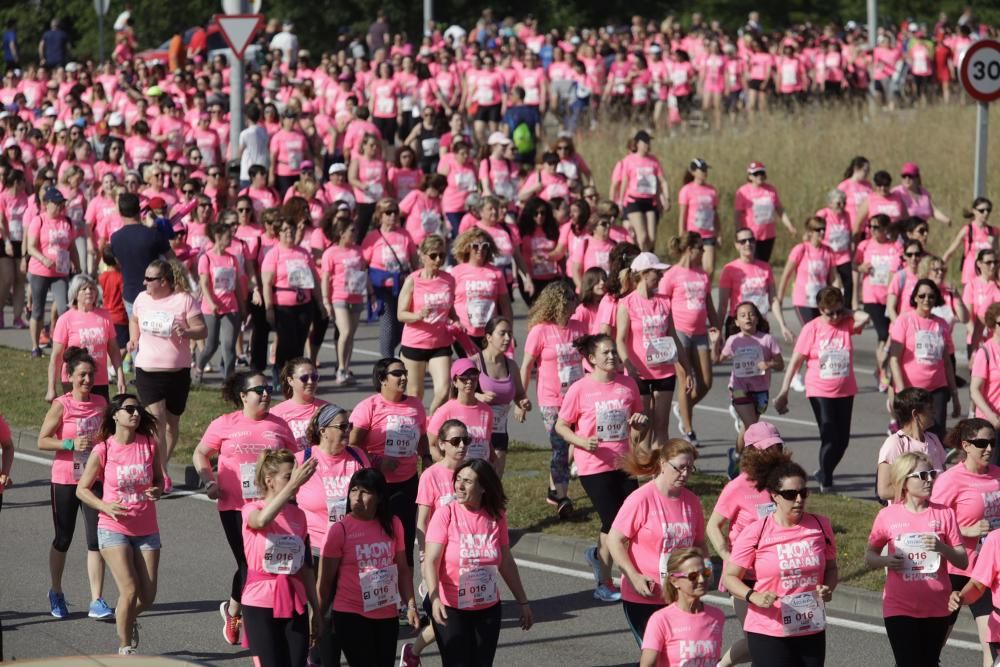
(980,72)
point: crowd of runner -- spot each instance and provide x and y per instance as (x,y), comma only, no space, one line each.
(417,187)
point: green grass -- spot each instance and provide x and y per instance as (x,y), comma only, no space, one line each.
(526,483)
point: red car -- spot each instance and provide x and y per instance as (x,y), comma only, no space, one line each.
(208,40)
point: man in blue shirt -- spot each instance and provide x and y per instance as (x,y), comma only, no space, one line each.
(525,138)
(11,55)
(53,49)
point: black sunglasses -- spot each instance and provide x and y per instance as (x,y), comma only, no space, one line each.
(309,377)
(984,211)
(911,255)
(792,494)
(343,427)
(261,389)
(745,241)
(435,255)
(131,409)
(398,373)
(924,295)
(981,443)
(458,440)
(149,279)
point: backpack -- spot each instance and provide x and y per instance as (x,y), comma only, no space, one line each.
(523,138)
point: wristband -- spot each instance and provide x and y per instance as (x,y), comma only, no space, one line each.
(67,444)
(523,604)
(747,596)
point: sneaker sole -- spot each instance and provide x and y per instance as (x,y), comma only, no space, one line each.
(100,617)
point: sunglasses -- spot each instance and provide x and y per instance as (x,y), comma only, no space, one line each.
(984,211)
(261,389)
(391,211)
(187,191)
(150,279)
(479,246)
(702,574)
(458,440)
(913,255)
(131,409)
(683,469)
(213,174)
(468,377)
(924,295)
(343,427)
(792,494)
(398,373)
(243,210)
(921,230)
(872,225)
(745,241)
(309,377)
(980,443)
(990,262)
(924,475)
(435,256)
(818,230)
(834,314)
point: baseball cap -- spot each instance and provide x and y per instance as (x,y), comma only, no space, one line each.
(116,119)
(53,195)
(498,138)
(754,167)
(50,111)
(461,367)
(698,164)
(157,203)
(910,169)
(762,435)
(655,48)
(646,261)
(337,168)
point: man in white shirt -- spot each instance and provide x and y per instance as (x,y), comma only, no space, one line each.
(253,145)
(287,43)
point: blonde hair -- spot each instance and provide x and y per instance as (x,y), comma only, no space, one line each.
(901,468)
(431,243)
(924,266)
(555,305)
(461,248)
(677,558)
(268,464)
(643,463)
(182,279)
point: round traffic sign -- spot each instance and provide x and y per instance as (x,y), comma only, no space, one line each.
(980,71)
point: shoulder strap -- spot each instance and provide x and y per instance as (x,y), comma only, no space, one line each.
(354,455)
(763,524)
(822,529)
(391,249)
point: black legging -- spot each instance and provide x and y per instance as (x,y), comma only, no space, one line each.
(939,401)
(390,329)
(363,214)
(367,642)
(291,324)
(847,280)
(320,325)
(917,642)
(232,525)
(470,638)
(762,250)
(637,614)
(277,642)
(64,508)
(833,415)
(807,651)
(403,501)
(327,649)
(258,342)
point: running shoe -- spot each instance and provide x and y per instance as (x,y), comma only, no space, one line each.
(573,472)
(407,658)
(19,323)
(692,438)
(606,593)
(57,604)
(737,422)
(797,383)
(126,650)
(351,379)
(36,353)
(231,625)
(168,485)
(341,378)
(552,498)
(135,635)
(564,508)
(733,469)
(595,564)
(43,338)
(208,368)
(99,609)
(242,362)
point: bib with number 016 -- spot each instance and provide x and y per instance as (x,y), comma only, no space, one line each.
(802,614)
(477,586)
(401,435)
(379,587)
(661,350)
(916,558)
(612,424)
(746,361)
(158,323)
(284,554)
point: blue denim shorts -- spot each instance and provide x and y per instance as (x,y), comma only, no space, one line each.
(109,539)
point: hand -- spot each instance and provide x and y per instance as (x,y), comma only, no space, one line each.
(781,403)
(591,444)
(329,311)
(48,263)
(179,329)
(423,313)
(954,601)
(154,492)
(527,618)
(302,473)
(50,396)
(714,334)
(487,397)
(438,612)
(642,584)
(122,384)
(5,482)
(689,383)
(984,528)
(763,599)
(895,562)
(113,510)
(787,335)
(519,414)
(131,346)
(212,490)
(825,592)
(82,443)
(412,617)
(389,464)
(638,419)
(255,298)
(529,286)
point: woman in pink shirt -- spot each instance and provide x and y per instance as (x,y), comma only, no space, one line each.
(913,414)
(639,184)
(128,461)
(427,310)
(467,548)
(781,592)
(422,208)
(857,187)
(905,279)
(982,291)
(69,428)
(549,345)
(756,206)
(972,489)
(761,71)
(344,283)
(984,576)
(223,304)
(298,382)
(922,534)
(976,235)
(984,388)
(739,505)
(698,210)
(749,279)
(235,440)
(52,256)
(813,265)
(163,323)
(460,170)
(881,200)
(920,353)
(391,255)
(13,210)
(464,406)
(659,517)
(368,175)
(877,261)
(480,288)
(593,287)
(383,101)
(281,611)
(539,233)
(602,417)
(916,197)
(825,345)
(838,238)
(686,631)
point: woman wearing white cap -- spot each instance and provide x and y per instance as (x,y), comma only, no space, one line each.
(648,344)
(739,505)
(757,207)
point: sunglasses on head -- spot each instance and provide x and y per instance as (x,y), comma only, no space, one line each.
(980,443)
(309,377)
(924,475)
(458,440)
(131,409)
(704,574)
(261,389)
(792,494)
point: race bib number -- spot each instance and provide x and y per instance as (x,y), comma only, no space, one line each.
(379,587)
(295,158)
(704,217)
(157,323)
(789,74)
(802,614)
(661,350)
(763,210)
(430,221)
(62,261)
(336,508)
(385,105)
(375,190)
(928,346)
(881,271)
(640,94)
(477,586)
(429,147)
(812,291)
(679,77)
(248,481)
(500,417)
(223,279)
(299,274)
(79,463)
(389,260)
(401,435)
(16,226)
(834,364)
(484,96)
(765,510)
(568,365)
(283,554)
(746,362)
(480,312)
(916,559)
(645,182)
(612,424)
(356,281)
(839,239)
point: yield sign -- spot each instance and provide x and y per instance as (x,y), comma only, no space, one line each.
(239,29)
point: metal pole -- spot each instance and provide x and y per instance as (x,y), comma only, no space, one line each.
(872,22)
(100,37)
(428,16)
(236,95)
(982,139)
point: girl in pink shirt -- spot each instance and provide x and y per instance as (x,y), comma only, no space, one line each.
(344,283)
(661,516)
(298,382)
(882,200)
(602,417)
(638,183)
(593,288)
(465,407)
(467,548)
(905,279)
(975,236)
(982,291)
(539,234)
(756,206)
(480,289)
(223,288)
(813,265)
(686,631)
(52,254)
(913,414)
(422,209)
(127,459)
(786,614)
(922,534)
(460,171)
(698,204)
(712,82)
(280,577)
(984,576)
(235,440)
(877,261)
(838,239)
(984,388)
(596,249)
(857,187)
(70,429)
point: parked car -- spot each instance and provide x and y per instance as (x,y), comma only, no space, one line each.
(215,44)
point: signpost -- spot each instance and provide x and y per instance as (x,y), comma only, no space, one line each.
(238,30)
(101,7)
(980,75)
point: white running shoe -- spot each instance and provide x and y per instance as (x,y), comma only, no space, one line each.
(797,383)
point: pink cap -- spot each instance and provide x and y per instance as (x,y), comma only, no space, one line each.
(910,169)
(462,366)
(755,167)
(762,435)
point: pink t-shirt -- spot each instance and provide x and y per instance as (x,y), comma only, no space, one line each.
(387,251)
(987,358)
(54,238)
(607,313)
(423,215)
(757,206)
(238,441)
(602,409)
(79,418)
(746,353)
(294,274)
(224,273)
(829,353)
(461,182)
(977,295)
(478,419)
(596,252)
(437,294)
(885,262)
(477,293)
(91,330)
(701,202)
(899,443)
(436,488)
(297,416)
(927,344)
(684,639)
(560,365)
(473,548)
(587,316)
(787,561)
(324,497)
(687,290)
(368,561)
(813,265)
(640,176)
(159,347)
(857,193)
(838,234)
(393,429)
(987,572)
(347,272)
(278,548)
(748,281)
(651,348)
(741,504)
(536,248)
(655,525)
(921,590)
(290,147)
(973,497)
(127,472)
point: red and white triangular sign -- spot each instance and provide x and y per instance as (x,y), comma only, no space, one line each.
(239,29)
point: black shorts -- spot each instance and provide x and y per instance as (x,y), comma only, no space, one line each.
(641,205)
(876,311)
(15,246)
(709,241)
(981,607)
(387,127)
(170,386)
(420,354)
(488,114)
(500,442)
(647,387)
(756,84)
(608,491)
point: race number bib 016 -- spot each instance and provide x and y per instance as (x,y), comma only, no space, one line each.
(612,424)
(660,350)
(283,554)
(401,435)
(379,587)
(477,586)
(157,323)
(746,361)
(834,364)
(802,614)
(917,559)
(248,481)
